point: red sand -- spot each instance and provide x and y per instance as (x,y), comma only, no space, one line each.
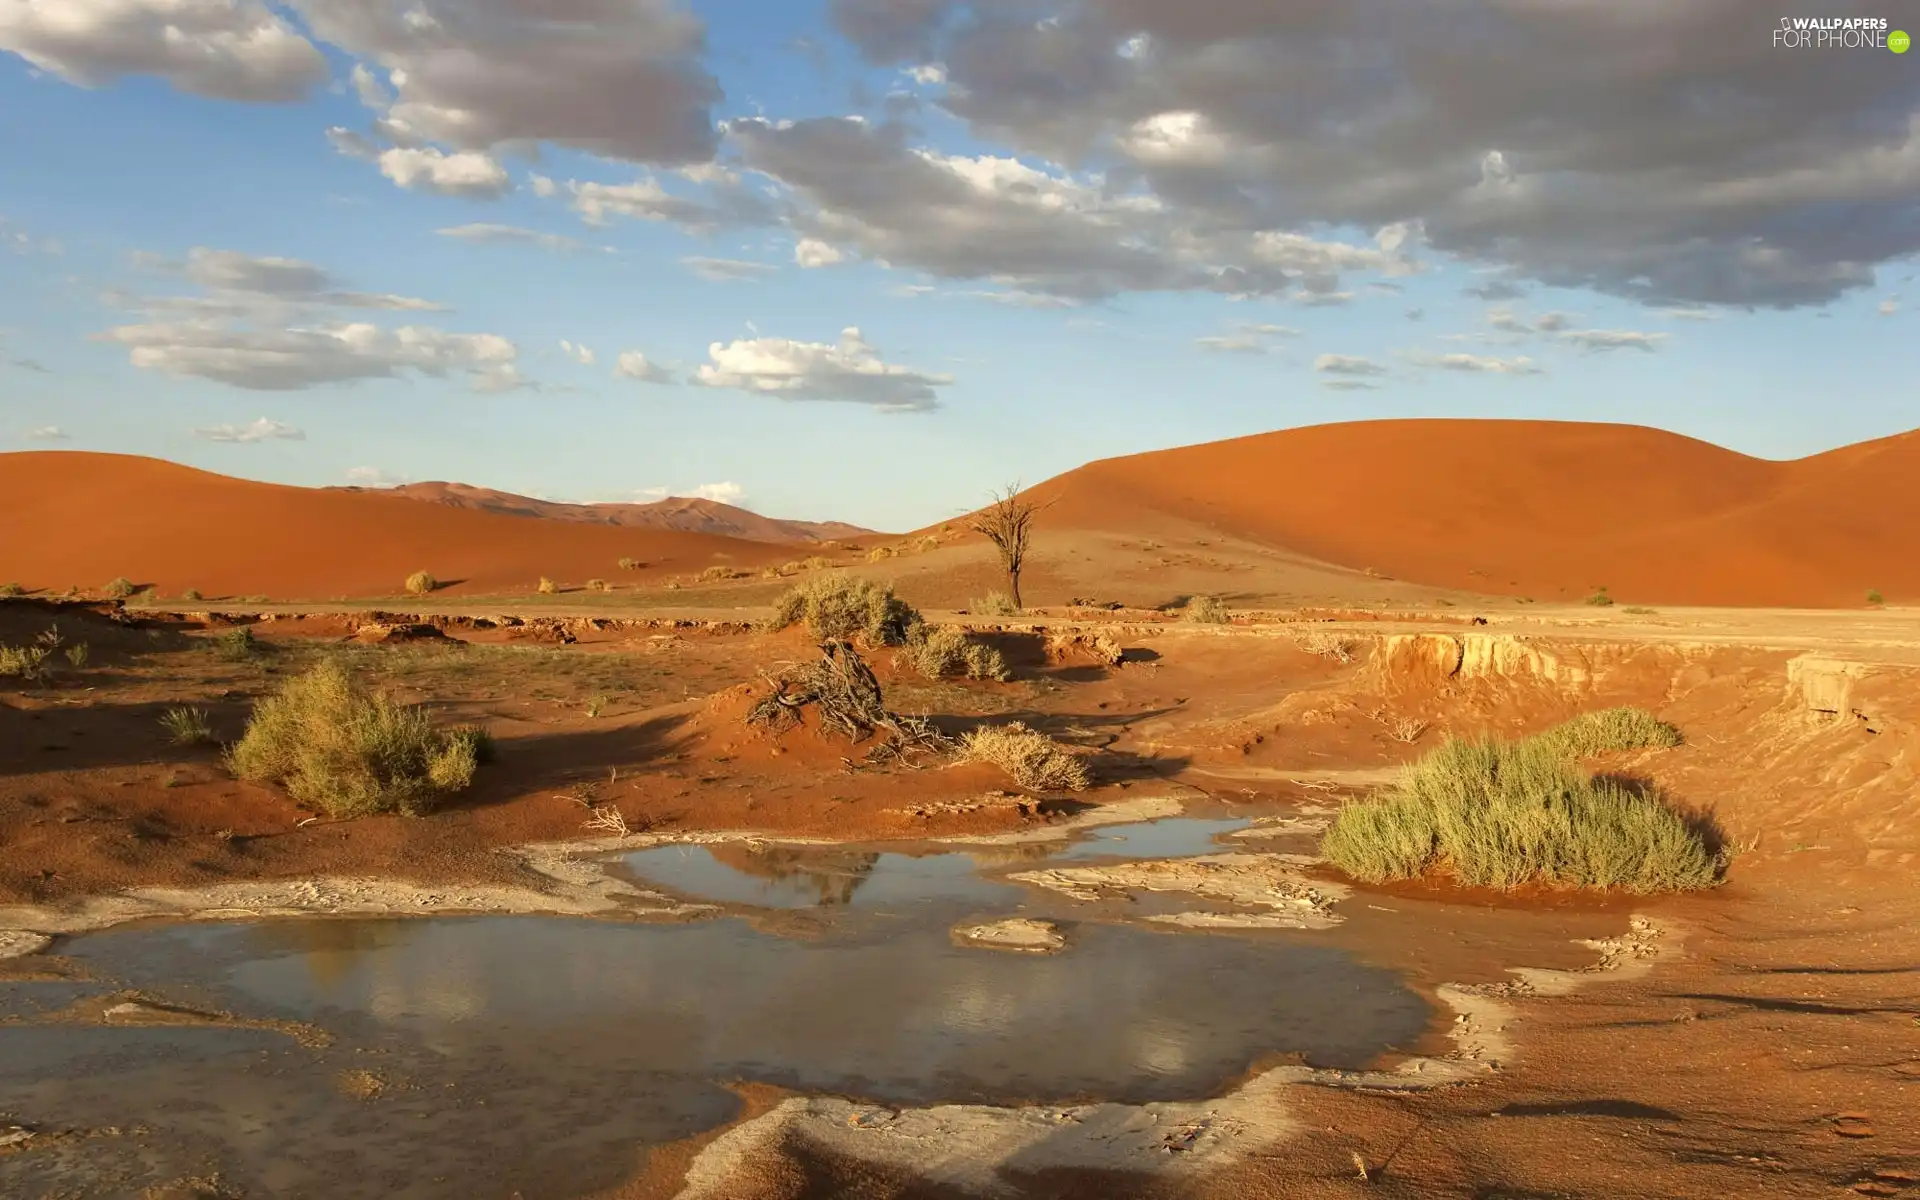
(1545,509)
(77,518)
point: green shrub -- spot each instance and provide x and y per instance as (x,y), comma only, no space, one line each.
(630,564)
(943,651)
(547,586)
(237,645)
(335,745)
(839,606)
(1207,610)
(121,588)
(420,583)
(12,589)
(77,655)
(1502,814)
(880,554)
(192,594)
(995,604)
(1874,596)
(1600,599)
(186,726)
(718,574)
(23,662)
(1610,729)
(1031,758)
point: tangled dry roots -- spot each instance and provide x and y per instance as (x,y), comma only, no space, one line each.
(841,687)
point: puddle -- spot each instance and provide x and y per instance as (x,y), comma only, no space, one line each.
(487,1055)
(1176,837)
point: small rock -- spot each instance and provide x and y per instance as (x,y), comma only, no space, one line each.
(1020,934)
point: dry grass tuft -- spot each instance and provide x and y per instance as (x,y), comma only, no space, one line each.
(1207,610)
(547,587)
(120,589)
(879,554)
(186,726)
(1335,646)
(1503,814)
(839,606)
(237,645)
(630,564)
(995,604)
(945,651)
(599,585)
(23,662)
(420,583)
(1031,758)
(718,574)
(335,745)
(192,594)
(11,589)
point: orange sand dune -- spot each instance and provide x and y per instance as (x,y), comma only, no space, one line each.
(1545,509)
(77,518)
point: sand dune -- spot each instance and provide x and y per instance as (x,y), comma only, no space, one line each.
(76,518)
(1551,510)
(687,514)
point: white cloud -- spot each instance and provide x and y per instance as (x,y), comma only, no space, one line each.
(726,270)
(1890,306)
(228,49)
(481,231)
(812,253)
(464,173)
(577,352)
(1554,322)
(373,477)
(637,366)
(723,493)
(1506,322)
(49,433)
(241,283)
(1688,314)
(1348,385)
(1347,364)
(1246,339)
(287,359)
(1613,339)
(542,186)
(850,371)
(260,430)
(1485,364)
(927,74)
(726,202)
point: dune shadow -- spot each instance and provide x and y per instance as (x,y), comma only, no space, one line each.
(1625,1109)
(83,738)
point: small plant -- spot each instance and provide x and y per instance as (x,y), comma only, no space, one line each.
(334,744)
(1611,729)
(50,637)
(1406,730)
(120,589)
(186,726)
(596,705)
(1031,758)
(420,583)
(192,594)
(792,568)
(607,819)
(1600,599)
(718,574)
(631,564)
(23,662)
(77,655)
(943,651)
(1874,596)
(1335,646)
(237,645)
(1207,610)
(840,606)
(815,563)
(547,586)
(599,585)
(880,554)
(927,543)
(1637,611)
(995,604)
(12,589)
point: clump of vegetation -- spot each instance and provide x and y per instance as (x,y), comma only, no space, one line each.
(815,563)
(23,662)
(945,651)
(841,688)
(547,586)
(186,726)
(596,705)
(192,594)
(334,744)
(1503,814)
(718,574)
(995,604)
(1637,611)
(1337,647)
(599,585)
(880,554)
(838,606)
(1031,758)
(237,645)
(77,655)
(1207,610)
(1600,599)
(1874,596)
(420,583)
(120,589)
(631,564)
(12,589)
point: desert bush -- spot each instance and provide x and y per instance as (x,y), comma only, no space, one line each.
(12,589)
(943,651)
(334,744)
(880,554)
(1206,610)
(77,655)
(1031,758)
(630,564)
(1502,814)
(1600,599)
(186,726)
(1874,596)
(1610,729)
(718,574)
(599,585)
(839,606)
(995,604)
(815,563)
(1336,646)
(23,662)
(547,586)
(237,645)
(927,543)
(120,589)
(192,594)
(420,583)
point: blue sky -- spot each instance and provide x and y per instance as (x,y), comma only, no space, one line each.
(1064,231)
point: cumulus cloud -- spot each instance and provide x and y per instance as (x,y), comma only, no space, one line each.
(724,204)
(227,49)
(235,284)
(468,173)
(1553,322)
(1507,321)
(373,477)
(1484,364)
(481,231)
(812,253)
(48,433)
(850,371)
(1499,289)
(726,270)
(1347,364)
(577,352)
(1613,339)
(637,366)
(1246,339)
(1527,152)
(260,430)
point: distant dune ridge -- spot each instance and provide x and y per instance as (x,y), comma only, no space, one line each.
(684,513)
(1540,509)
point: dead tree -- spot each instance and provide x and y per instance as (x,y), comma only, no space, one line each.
(841,687)
(1008,524)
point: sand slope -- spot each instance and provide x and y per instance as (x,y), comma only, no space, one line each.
(687,514)
(69,517)
(1545,509)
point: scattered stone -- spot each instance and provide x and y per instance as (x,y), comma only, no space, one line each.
(1023,935)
